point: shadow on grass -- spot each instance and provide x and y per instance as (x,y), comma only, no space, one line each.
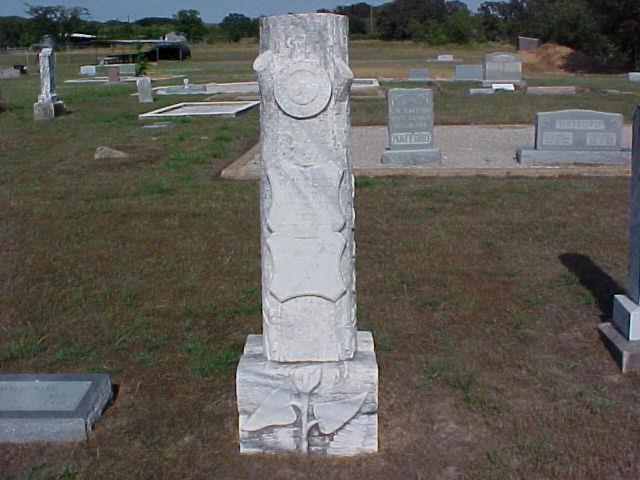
(592,277)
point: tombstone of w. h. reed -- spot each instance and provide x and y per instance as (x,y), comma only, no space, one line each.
(569,137)
(411,133)
(622,335)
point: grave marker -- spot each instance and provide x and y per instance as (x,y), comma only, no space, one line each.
(411,133)
(48,105)
(51,407)
(418,74)
(113,74)
(622,335)
(89,70)
(310,382)
(528,44)
(576,137)
(145,94)
(634,76)
(469,73)
(502,67)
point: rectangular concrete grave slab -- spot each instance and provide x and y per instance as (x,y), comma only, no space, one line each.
(346,390)
(216,109)
(502,66)
(309,383)
(625,353)
(411,132)
(503,87)
(469,73)
(236,87)
(418,74)
(634,76)
(578,130)
(365,84)
(570,90)
(445,58)
(51,407)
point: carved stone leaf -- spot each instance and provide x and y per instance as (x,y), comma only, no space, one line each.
(276,409)
(331,416)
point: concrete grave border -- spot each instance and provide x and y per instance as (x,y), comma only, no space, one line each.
(170,111)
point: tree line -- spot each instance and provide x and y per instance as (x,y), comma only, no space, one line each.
(607,30)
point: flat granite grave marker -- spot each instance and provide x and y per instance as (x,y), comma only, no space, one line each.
(445,58)
(502,67)
(310,382)
(48,104)
(418,75)
(51,407)
(622,335)
(469,73)
(576,137)
(145,94)
(411,134)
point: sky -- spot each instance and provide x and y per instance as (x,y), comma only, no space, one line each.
(210,10)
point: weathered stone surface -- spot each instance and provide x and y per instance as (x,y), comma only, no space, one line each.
(502,67)
(51,407)
(307,189)
(578,130)
(481,91)
(634,76)
(127,69)
(418,74)
(528,44)
(626,317)
(113,74)
(145,94)
(530,157)
(320,408)
(89,70)
(106,152)
(43,110)
(411,133)
(570,90)
(633,285)
(469,73)
(625,353)
(216,109)
(48,105)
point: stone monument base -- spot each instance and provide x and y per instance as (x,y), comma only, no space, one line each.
(533,157)
(516,83)
(47,110)
(412,157)
(319,408)
(626,353)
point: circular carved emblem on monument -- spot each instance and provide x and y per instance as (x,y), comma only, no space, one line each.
(303,89)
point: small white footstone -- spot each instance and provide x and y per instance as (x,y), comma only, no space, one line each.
(320,408)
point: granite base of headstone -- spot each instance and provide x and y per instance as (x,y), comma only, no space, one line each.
(576,137)
(551,90)
(481,91)
(466,73)
(411,132)
(48,109)
(51,407)
(622,334)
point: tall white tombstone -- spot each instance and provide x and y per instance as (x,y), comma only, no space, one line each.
(310,382)
(48,104)
(622,336)
(145,94)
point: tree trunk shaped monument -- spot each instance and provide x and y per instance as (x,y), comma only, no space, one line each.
(309,383)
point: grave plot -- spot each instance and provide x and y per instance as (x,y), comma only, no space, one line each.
(186,109)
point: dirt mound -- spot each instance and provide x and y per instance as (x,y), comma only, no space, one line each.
(553,58)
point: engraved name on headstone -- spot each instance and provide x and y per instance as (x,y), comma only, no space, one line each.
(51,407)
(578,130)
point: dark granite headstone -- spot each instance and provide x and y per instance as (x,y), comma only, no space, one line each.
(411,133)
(51,407)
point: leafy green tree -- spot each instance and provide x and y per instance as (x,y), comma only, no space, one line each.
(396,20)
(237,26)
(190,23)
(57,21)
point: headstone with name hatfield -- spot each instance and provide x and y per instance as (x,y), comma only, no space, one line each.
(502,67)
(622,335)
(48,104)
(310,382)
(576,137)
(411,133)
(145,94)
(51,407)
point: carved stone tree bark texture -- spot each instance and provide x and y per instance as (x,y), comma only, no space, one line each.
(307,217)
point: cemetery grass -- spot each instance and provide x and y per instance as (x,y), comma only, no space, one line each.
(482,294)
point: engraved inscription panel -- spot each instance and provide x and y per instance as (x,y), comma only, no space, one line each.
(578,130)
(410,119)
(307,266)
(303,88)
(502,66)
(41,395)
